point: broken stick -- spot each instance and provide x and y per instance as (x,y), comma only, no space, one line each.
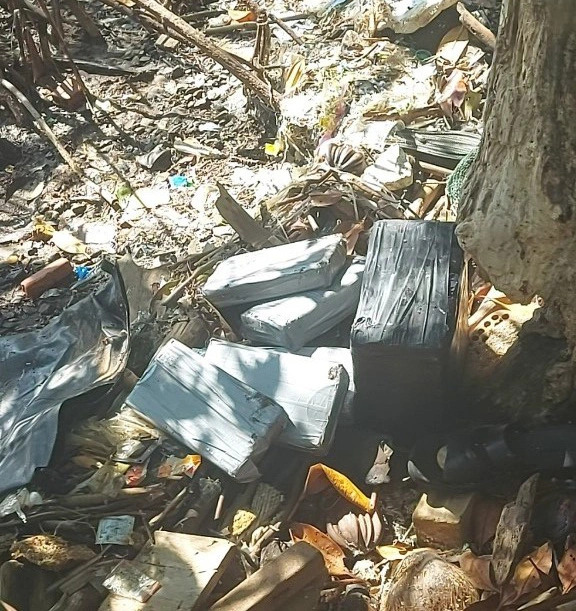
(482,33)
(167,22)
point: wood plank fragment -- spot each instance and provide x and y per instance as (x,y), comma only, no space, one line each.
(512,530)
(188,567)
(279,582)
(243,224)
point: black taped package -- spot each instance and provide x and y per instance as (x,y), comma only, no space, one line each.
(410,322)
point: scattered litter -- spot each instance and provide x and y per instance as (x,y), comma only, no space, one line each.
(115,530)
(178,181)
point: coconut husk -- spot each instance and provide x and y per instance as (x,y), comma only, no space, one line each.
(425,582)
(50,552)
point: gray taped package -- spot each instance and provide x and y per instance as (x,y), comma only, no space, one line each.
(276,272)
(207,410)
(291,322)
(311,391)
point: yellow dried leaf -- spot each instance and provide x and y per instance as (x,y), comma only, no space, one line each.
(394,552)
(321,477)
(42,232)
(241,16)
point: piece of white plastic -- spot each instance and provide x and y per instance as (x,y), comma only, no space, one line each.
(407,16)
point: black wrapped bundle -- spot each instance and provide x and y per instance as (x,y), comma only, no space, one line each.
(408,326)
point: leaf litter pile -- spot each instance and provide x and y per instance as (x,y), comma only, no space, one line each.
(165,139)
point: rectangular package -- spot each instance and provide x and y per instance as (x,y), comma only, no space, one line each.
(276,272)
(405,324)
(311,391)
(208,410)
(291,322)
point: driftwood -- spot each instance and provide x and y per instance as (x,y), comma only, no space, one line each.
(154,16)
(482,33)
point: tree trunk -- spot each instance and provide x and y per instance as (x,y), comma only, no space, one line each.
(518,211)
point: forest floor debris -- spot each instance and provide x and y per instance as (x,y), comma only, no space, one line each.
(350,116)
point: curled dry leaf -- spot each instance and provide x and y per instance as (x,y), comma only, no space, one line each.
(294,75)
(241,16)
(528,574)
(453,93)
(478,570)
(321,477)
(567,569)
(331,551)
(352,236)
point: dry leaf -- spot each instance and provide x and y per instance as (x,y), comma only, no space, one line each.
(567,569)
(453,93)
(294,75)
(322,200)
(352,236)
(333,554)
(66,242)
(42,232)
(394,552)
(453,45)
(528,574)
(321,477)
(241,16)
(478,569)
(485,520)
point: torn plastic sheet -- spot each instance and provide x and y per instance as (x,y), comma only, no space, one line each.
(83,348)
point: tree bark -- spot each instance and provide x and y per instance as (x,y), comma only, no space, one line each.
(518,211)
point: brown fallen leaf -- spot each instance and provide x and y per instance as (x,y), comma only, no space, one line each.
(453,93)
(333,554)
(487,513)
(453,44)
(528,574)
(352,236)
(567,569)
(478,570)
(241,16)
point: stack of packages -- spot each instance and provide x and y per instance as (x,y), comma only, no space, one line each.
(232,403)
